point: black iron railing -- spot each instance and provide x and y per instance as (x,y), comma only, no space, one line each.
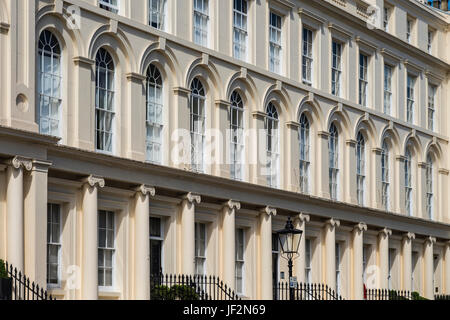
(304,291)
(384,294)
(442,297)
(189,287)
(23,288)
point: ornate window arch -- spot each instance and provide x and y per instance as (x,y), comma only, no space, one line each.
(49,84)
(333,156)
(104,101)
(237,136)
(197,126)
(360,168)
(271,125)
(304,144)
(154,114)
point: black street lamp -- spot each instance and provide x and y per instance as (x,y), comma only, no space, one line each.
(289,239)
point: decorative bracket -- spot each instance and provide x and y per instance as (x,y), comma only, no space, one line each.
(191,197)
(333,222)
(232,205)
(146,190)
(360,227)
(386,232)
(94,181)
(269,211)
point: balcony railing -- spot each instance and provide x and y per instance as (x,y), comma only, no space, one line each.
(304,291)
(189,287)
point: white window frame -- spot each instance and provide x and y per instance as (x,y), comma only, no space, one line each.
(157,9)
(308,261)
(410,97)
(271,126)
(385,176)
(387,89)
(154,115)
(338,268)
(336,68)
(363,78)
(409,27)
(429,187)
(106,248)
(50,47)
(200,257)
(408,183)
(160,238)
(240,262)
(237,147)
(109,104)
(360,168)
(110,5)
(54,241)
(307,56)
(386,16)
(304,157)
(275,42)
(201,31)
(432,90)
(333,157)
(430,41)
(240,32)
(197,120)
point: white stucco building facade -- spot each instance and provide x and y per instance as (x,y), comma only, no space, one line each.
(109,171)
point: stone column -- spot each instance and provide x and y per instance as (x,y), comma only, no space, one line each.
(187,224)
(330,252)
(292,162)
(265,260)
(447,268)
(383,257)
(421,191)
(407,262)
(257,150)
(35,222)
(299,264)
(428,267)
(323,163)
(15,211)
(89,262)
(142,242)
(228,244)
(350,167)
(400,172)
(134,118)
(84,126)
(358,243)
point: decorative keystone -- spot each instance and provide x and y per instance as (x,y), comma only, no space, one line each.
(191,197)
(409,236)
(21,162)
(146,190)
(232,205)
(94,181)
(360,227)
(333,222)
(386,232)
(269,211)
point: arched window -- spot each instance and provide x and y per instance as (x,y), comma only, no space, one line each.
(408,184)
(237,136)
(49,84)
(333,156)
(385,176)
(360,168)
(154,118)
(104,101)
(429,187)
(272,145)
(303,135)
(198,98)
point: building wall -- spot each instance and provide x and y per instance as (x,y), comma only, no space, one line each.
(134,46)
